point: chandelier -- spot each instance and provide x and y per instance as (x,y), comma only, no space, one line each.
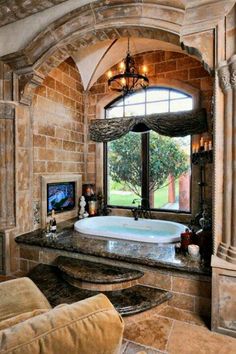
(127,79)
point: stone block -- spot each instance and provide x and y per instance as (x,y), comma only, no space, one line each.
(29,253)
(178,75)
(166,66)
(62,88)
(39,140)
(54,166)
(56,74)
(191,287)
(69,145)
(39,166)
(156,279)
(54,143)
(69,81)
(69,103)
(46,154)
(197,73)
(46,130)
(187,62)
(182,301)
(49,82)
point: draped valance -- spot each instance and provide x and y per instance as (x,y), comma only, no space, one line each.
(170,124)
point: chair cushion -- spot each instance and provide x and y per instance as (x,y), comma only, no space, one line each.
(90,326)
(20,318)
(20,296)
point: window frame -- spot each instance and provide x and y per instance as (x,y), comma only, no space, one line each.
(145,137)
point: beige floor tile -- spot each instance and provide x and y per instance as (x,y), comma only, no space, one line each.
(191,339)
(153,332)
(181,315)
(133,348)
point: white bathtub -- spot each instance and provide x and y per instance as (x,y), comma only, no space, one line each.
(125,228)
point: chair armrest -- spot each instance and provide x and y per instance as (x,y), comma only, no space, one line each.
(90,326)
(20,296)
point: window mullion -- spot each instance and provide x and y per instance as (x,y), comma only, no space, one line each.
(145,170)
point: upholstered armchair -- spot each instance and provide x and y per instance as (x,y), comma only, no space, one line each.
(29,325)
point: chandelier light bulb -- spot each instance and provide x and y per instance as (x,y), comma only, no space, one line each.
(145,70)
(109,74)
(123,81)
(122,66)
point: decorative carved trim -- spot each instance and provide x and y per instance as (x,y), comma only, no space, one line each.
(232,68)
(7,110)
(28,81)
(224,77)
(196,52)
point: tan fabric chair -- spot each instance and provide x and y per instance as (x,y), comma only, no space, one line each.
(28,324)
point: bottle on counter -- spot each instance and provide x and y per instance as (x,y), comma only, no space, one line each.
(53,222)
(186,240)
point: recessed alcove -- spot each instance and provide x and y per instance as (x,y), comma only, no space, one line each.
(56,180)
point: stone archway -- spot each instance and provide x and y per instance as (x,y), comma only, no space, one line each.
(88,25)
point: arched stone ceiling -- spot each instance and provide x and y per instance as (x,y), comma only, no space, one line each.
(95,60)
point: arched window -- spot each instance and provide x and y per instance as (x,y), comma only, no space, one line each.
(148,166)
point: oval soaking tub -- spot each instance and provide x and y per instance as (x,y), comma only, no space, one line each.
(126,228)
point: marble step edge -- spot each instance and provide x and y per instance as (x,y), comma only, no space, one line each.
(163,296)
(99,286)
(96,273)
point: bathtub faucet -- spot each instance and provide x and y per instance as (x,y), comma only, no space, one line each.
(140,211)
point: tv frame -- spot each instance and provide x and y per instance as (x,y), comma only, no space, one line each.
(67,214)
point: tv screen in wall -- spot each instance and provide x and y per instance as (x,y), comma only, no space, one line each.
(60,196)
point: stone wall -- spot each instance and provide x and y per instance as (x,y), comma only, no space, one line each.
(58,128)
(169,69)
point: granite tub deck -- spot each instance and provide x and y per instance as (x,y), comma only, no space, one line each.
(153,255)
(129,301)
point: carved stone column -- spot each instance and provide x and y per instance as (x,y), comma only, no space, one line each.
(224,77)
(227,76)
(231,257)
(7,165)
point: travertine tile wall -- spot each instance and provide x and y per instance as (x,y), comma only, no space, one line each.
(58,128)
(161,65)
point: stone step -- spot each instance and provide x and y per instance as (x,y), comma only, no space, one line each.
(127,301)
(98,273)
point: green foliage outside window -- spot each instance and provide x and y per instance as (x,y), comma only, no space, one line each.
(165,157)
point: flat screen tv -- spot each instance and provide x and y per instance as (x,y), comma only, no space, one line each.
(60,197)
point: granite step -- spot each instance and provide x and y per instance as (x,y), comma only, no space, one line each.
(98,273)
(127,301)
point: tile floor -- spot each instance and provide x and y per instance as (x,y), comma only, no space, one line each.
(173,331)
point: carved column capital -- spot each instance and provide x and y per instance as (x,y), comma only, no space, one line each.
(224,77)
(28,81)
(232,68)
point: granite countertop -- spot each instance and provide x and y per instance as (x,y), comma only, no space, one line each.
(155,255)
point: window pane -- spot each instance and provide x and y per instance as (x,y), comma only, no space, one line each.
(170,172)
(176,94)
(157,107)
(124,170)
(181,105)
(136,97)
(134,110)
(114,112)
(157,94)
